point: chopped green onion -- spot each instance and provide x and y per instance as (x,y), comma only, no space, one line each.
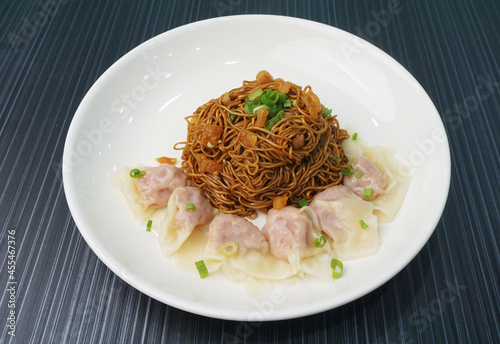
(270,123)
(349,171)
(209,145)
(255,94)
(202,268)
(257,108)
(363,224)
(336,159)
(232,117)
(367,193)
(248,107)
(272,100)
(270,97)
(359,175)
(327,112)
(355,136)
(320,242)
(136,173)
(148,226)
(229,248)
(190,206)
(303,202)
(337,267)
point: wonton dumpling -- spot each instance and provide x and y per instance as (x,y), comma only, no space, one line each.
(122,180)
(291,233)
(180,221)
(339,211)
(158,183)
(386,204)
(252,258)
(372,177)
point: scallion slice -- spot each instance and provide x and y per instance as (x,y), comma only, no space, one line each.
(355,136)
(327,112)
(229,248)
(303,202)
(359,174)
(363,224)
(136,173)
(349,171)
(148,226)
(202,268)
(337,267)
(367,193)
(255,94)
(190,206)
(336,159)
(320,242)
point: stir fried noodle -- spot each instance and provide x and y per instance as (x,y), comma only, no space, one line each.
(266,140)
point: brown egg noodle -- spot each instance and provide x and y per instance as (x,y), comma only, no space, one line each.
(241,163)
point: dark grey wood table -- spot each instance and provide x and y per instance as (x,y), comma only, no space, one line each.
(52,51)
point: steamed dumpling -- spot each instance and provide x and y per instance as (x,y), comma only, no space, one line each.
(158,183)
(228,227)
(148,195)
(371,177)
(291,233)
(181,220)
(342,215)
(252,256)
(385,204)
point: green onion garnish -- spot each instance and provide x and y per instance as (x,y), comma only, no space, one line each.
(359,175)
(229,248)
(363,224)
(255,94)
(355,136)
(202,268)
(303,202)
(275,102)
(327,112)
(336,159)
(270,123)
(136,173)
(190,206)
(367,193)
(148,226)
(337,267)
(320,242)
(349,171)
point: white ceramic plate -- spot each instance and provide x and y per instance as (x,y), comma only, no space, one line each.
(135,113)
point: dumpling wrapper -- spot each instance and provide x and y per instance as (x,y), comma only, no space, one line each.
(291,233)
(122,180)
(340,218)
(252,259)
(385,205)
(179,221)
